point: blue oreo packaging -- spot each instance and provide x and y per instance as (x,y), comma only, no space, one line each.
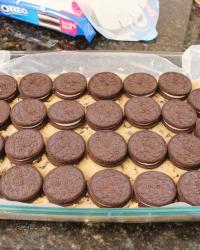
(64,15)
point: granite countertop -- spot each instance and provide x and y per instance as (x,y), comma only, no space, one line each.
(178,28)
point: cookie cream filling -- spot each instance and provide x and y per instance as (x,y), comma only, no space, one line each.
(34,126)
(172,127)
(144,124)
(64,95)
(148,164)
(148,95)
(68,124)
(172,96)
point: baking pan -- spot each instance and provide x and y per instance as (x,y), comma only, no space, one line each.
(174,212)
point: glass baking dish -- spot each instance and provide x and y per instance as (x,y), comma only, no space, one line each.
(41,212)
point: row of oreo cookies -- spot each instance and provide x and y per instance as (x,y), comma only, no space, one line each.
(142,112)
(104,85)
(66,185)
(106,148)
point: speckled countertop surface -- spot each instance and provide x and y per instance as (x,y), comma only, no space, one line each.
(178,28)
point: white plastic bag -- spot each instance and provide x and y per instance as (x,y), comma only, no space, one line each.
(191,62)
(128,20)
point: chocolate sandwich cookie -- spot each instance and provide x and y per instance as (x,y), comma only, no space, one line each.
(178,116)
(104,114)
(65,147)
(147,149)
(21,183)
(66,114)
(107,148)
(154,189)
(194,100)
(184,151)
(24,146)
(105,85)
(173,85)
(188,187)
(36,85)
(70,85)
(142,112)
(197,129)
(4,114)
(8,88)
(29,113)
(140,84)
(110,188)
(2,143)
(64,185)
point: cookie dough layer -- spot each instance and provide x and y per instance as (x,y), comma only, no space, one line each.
(88,167)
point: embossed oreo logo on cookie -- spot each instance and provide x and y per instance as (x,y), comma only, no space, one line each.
(9,10)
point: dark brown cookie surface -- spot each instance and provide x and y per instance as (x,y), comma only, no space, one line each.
(4,114)
(2,143)
(64,185)
(70,85)
(178,116)
(197,129)
(35,85)
(28,113)
(65,147)
(142,112)
(184,151)
(194,100)
(147,149)
(110,188)
(188,187)
(140,84)
(8,87)
(105,85)
(24,146)
(21,183)
(104,114)
(66,114)
(107,148)
(174,85)
(154,189)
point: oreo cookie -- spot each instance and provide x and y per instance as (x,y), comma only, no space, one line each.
(70,85)
(65,147)
(142,112)
(64,185)
(147,149)
(188,187)
(178,116)
(24,146)
(140,84)
(104,114)
(184,151)
(66,114)
(173,85)
(29,113)
(4,114)
(194,100)
(105,85)
(107,148)
(154,189)
(21,183)
(36,85)
(109,188)
(8,88)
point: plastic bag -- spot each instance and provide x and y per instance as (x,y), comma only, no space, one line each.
(130,20)
(191,62)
